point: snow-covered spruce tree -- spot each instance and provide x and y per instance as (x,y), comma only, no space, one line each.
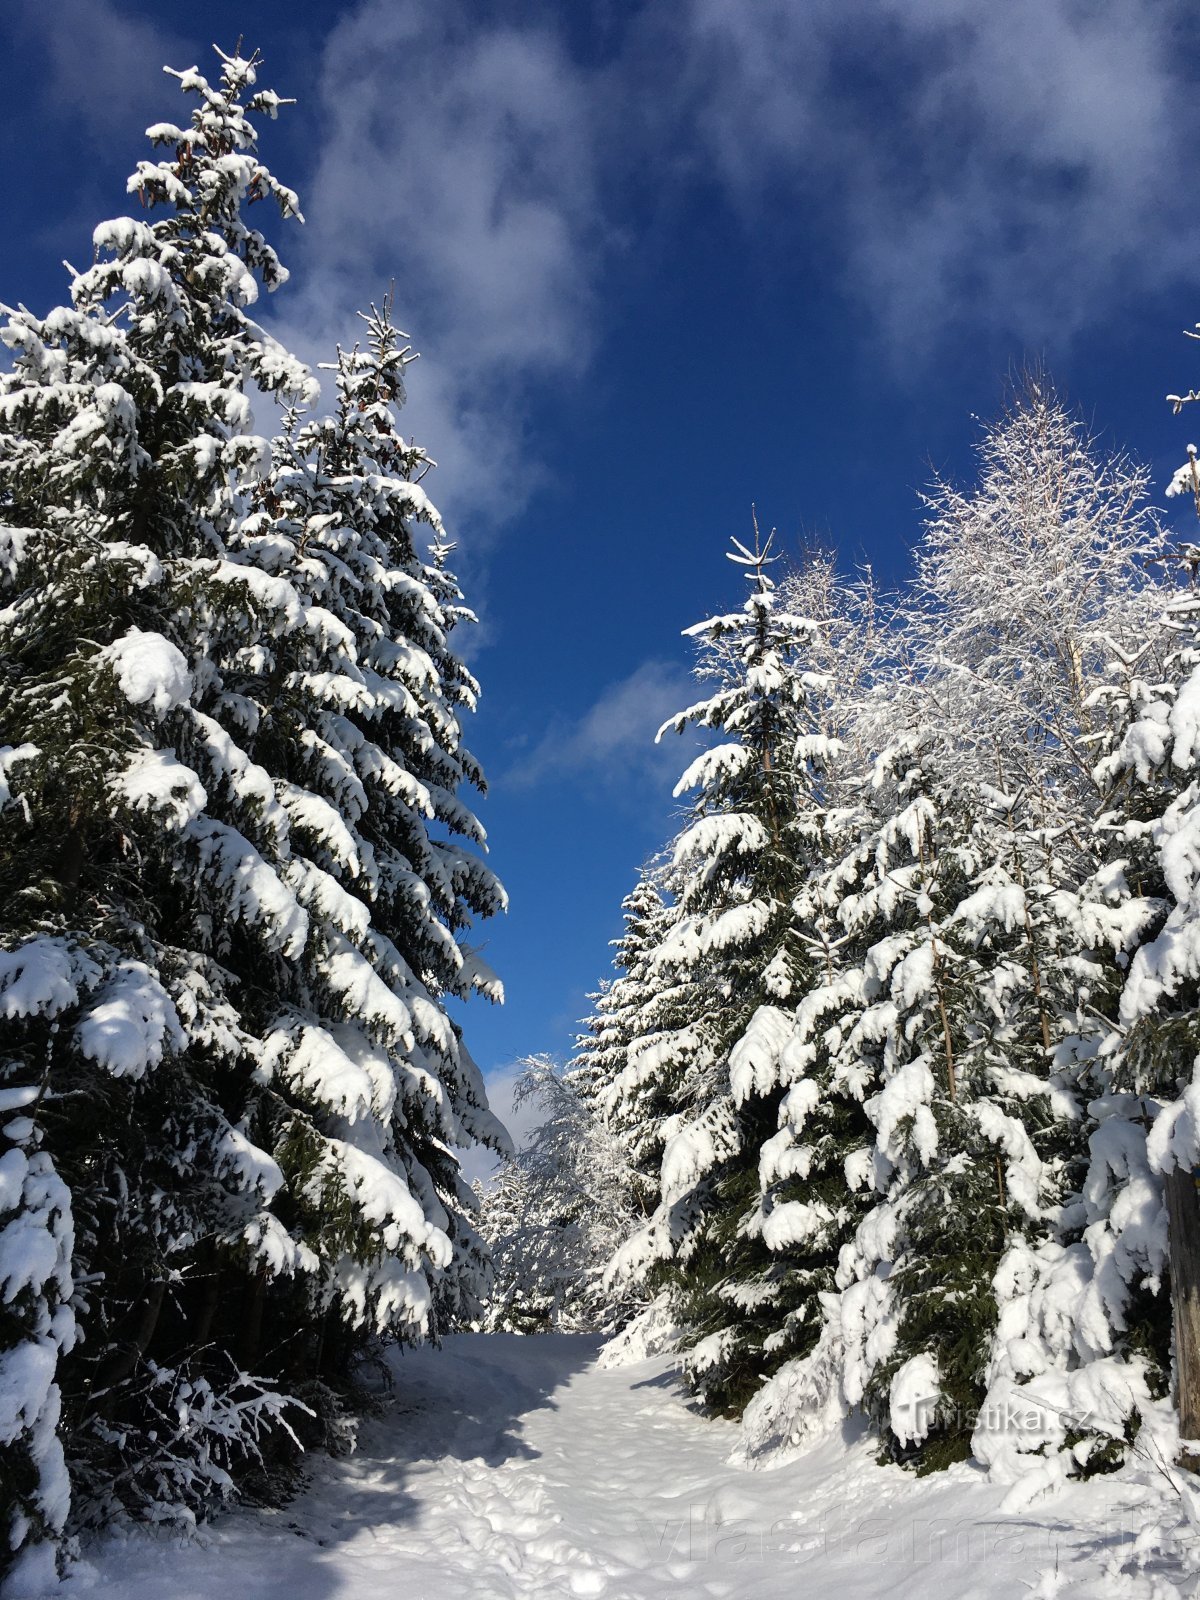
(812,1162)
(981,935)
(1082,550)
(994,935)
(1137,1311)
(649,1037)
(1151,778)
(752,839)
(37,1327)
(516,1304)
(370,1086)
(173,869)
(623,1060)
(122,443)
(557,1211)
(937,1022)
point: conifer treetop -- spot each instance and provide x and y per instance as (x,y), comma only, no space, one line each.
(215,169)
(184,278)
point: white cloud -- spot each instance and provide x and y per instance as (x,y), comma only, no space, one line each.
(98,59)
(612,742)
(457,158)
(1013,168)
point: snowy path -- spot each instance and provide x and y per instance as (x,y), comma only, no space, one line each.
(517,1467)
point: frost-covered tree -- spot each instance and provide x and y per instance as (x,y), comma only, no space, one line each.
(875,1179)
(1135,1315)
(231,862)
(557,1211)
(1031,586)
(1037,606)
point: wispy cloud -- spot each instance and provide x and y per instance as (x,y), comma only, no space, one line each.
(1013,165)
(612,743)
(97,59)
(457,159)
(949,165)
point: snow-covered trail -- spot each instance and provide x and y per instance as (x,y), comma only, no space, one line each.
(514,1467)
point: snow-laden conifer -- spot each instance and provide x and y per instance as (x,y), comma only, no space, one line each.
(370,1086)
(124,443)
(960,918)
(965,979)
(36,1285)
(1129,1309)
(1040,605)
(230,862)
(984,928)
(647,1039)
(744,852)
(631,1051)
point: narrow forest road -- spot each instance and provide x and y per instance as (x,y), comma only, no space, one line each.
(520,1467)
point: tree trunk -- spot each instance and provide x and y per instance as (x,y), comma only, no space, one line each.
(126,1357)
(73,854)
(252,1325)
(210,1299)
(1183,1217)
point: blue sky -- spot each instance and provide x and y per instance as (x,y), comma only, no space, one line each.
(662,261)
